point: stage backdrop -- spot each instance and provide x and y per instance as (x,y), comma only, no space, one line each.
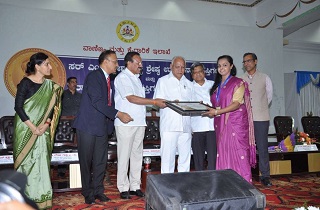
(83,35)
(152,69)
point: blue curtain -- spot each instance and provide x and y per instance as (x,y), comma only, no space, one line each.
(304,77)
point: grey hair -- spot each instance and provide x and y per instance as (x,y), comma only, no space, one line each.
(175,57)
(196,64)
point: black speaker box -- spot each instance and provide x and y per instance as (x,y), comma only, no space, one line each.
(221,189)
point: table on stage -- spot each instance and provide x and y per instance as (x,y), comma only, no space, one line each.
(72,160)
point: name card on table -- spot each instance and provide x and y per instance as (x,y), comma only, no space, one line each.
(6,159)
(71,156)
(302,148)
(56,157)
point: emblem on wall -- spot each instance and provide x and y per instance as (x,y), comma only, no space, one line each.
(128,31)
(16,66)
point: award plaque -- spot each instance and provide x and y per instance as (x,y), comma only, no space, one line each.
(188,108)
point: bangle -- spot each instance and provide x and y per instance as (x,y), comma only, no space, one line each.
(216,112)
(47,123)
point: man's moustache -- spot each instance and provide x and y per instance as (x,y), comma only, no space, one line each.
(141,70)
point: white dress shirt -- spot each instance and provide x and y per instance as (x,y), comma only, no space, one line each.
(202,93)
(170,88)
(126,84)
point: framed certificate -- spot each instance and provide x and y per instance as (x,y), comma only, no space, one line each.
(188,108)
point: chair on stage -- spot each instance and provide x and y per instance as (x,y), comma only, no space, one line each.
(152,134)
(6,131)
(65,141)
(284,126)
(65,136)
(311,126)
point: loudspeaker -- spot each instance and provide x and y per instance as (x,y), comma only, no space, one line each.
(221,189)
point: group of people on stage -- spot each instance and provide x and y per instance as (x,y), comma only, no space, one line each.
(228,132)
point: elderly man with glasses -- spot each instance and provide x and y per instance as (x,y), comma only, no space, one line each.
(203,134)
(130,98)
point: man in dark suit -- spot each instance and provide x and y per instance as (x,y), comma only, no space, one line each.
(94,122)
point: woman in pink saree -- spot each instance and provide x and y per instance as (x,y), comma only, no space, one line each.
(233,121)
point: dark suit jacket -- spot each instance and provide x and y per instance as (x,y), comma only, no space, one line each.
(95,116)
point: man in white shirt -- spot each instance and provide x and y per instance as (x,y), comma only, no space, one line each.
(175,129)
(203,135)
(130,97)
(260,87)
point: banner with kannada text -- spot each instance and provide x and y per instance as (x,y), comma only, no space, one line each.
(79,67)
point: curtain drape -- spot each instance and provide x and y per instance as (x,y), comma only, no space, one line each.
(302,95)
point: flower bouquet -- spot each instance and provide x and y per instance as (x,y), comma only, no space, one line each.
(296,138)
(303,138)
(307,208)
(287,145)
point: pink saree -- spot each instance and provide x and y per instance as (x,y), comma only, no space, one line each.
(236,147)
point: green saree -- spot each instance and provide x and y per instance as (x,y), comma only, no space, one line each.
(32,153)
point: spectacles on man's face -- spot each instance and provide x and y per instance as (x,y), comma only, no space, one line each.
(248,61)
(198,72)
(137,62)
(114,62)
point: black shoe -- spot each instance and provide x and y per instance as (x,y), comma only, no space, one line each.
(266,182)
(102,197)
(125,195)
(137,193)
(89,200)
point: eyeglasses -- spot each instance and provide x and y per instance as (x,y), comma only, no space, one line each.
(198,72)
(248,61)
(134,61)
(114,62)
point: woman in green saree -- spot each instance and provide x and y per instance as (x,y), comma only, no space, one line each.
(37,106)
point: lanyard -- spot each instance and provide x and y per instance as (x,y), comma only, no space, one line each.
(224,83)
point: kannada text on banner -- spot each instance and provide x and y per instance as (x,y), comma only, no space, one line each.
(79,67)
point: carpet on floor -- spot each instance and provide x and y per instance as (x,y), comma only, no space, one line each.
(287,192)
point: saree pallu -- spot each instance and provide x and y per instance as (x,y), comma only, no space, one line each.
(235,133)
(32,153)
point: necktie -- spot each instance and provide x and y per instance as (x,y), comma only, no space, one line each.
(109,91)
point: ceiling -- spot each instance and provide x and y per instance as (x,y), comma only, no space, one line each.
(243,3)
(288,27)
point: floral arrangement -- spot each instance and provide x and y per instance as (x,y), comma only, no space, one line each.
(296,138)
(307,208)
(302,138)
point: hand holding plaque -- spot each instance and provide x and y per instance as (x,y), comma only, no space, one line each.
(188,108)
(213,112)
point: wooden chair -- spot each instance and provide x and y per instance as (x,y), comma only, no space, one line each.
(152,134)
(311,126)
(65,136)
(6,129)
(65,141)
(284,126)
